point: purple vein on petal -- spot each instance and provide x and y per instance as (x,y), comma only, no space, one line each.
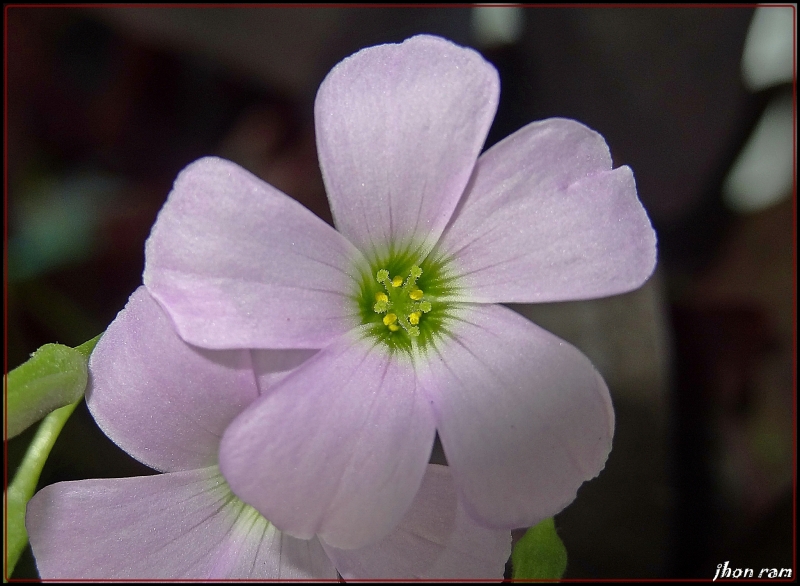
(261,544)
(455,253)
(225,499)
(235,517)
(493,264)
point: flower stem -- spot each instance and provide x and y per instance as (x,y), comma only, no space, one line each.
(22,488)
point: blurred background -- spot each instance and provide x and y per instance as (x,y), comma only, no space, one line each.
(106,105)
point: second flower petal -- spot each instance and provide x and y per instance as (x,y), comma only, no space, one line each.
(435,540)
(181,525)
(164,402)
(338,448)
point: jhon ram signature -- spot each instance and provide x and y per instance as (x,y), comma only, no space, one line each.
(724,571)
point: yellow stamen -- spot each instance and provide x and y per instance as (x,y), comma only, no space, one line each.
(404,299)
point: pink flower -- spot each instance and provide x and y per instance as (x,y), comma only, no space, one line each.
(402,301)
(167,404)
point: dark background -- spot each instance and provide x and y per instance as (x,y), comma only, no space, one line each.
(105,106)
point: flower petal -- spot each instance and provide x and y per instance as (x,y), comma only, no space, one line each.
(182,525)
(399,128)
(164,402)
(523,416)
(435,539)
(272,366)
(338,448)
(546,219)
(238,264)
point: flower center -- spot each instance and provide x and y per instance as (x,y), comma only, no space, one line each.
(404,300)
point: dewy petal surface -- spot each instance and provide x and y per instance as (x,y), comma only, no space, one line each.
(523,416)
(337,449)
(164,402)
(238,264)
(435,540)
(399,128)
(181,525)
(546,219)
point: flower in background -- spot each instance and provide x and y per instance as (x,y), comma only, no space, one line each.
(167,404)
(402,301)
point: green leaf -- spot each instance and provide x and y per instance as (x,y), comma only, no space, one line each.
(53,377)
(540,554)
(22,488)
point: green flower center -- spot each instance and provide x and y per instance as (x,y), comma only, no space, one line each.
(403,301)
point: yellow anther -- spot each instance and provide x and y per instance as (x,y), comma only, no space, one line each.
(404,299)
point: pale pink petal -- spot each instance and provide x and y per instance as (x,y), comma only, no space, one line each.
(435,539)
(272,366)
(546,219)
(181,525)
(338,448)
(523,416)
(164,402)
(399,128)
(238,264)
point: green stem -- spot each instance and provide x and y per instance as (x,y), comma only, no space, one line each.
(22,488)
